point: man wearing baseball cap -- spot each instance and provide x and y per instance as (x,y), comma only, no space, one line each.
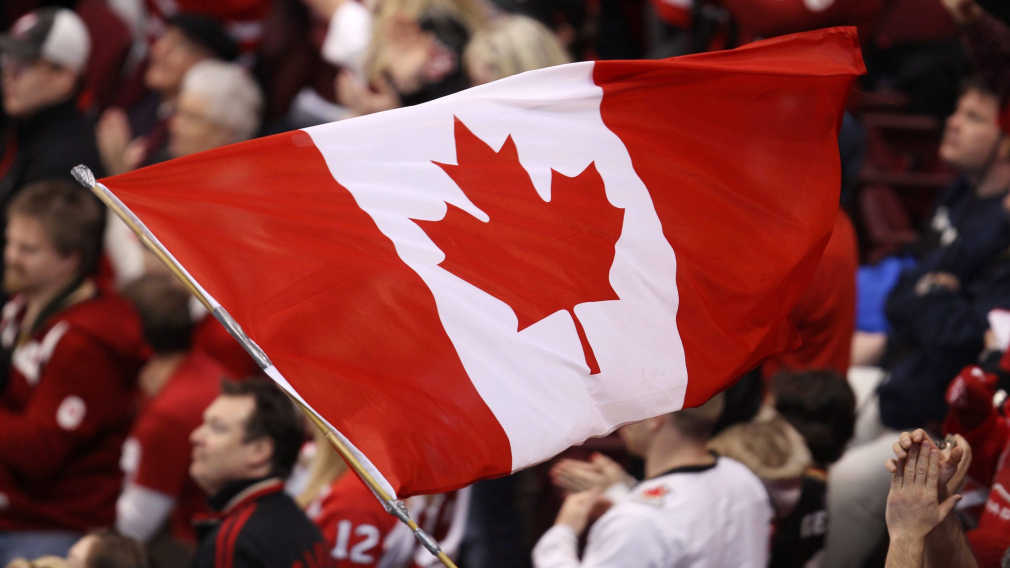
(43,57)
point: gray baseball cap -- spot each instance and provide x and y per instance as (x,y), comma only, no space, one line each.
(56,35)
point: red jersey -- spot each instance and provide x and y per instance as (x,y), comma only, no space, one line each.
(65,413)
(989,467)
(360,533)
(212,338)
(157,454)
(826,313)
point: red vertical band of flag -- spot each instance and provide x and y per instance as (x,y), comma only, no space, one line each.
(717,138)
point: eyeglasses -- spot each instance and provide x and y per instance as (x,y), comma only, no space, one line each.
(185,114)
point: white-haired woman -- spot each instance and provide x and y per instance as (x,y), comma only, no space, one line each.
(219,104)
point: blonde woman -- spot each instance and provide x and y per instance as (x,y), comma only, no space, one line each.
(511,45)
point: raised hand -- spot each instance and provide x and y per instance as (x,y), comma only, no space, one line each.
(576,475)
(576,509)
(954,459)
(913,509)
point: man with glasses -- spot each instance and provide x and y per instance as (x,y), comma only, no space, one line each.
(137,135)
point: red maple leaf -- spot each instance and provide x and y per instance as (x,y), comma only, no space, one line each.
(537,256)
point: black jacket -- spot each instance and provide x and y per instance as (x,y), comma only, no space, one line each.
(937,333)
(47,145)
(257,525)
(800,536)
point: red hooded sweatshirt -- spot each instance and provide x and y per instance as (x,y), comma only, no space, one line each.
(65,412)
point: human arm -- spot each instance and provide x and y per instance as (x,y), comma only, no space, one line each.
(155,462)
(140,511)
(120,153)
(627,536)
(913,509)
(947,546)
(558,547)
(78,395)
(601,472)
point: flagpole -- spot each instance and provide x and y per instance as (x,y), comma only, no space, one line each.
(394,507)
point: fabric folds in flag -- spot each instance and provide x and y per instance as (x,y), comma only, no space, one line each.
(467,287)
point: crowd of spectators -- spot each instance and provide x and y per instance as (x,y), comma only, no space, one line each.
(134,432)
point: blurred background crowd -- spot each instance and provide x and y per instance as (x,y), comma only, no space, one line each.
(121,446)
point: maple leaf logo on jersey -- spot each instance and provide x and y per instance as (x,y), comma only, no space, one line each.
(653,496)
(537,256)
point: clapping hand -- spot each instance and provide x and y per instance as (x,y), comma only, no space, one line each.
(576,475)
(913,506)
(953,465)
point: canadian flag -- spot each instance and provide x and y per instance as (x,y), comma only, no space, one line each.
(467,287)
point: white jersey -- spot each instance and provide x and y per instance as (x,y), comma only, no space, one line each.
(716,516)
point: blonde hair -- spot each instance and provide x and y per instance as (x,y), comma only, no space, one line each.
(768,445)
(515,44)
(326,467)
(467,12)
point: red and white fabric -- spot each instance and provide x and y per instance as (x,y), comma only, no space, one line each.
(361,534)
(621,239)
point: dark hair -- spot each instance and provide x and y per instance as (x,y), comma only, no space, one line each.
(980,85)
(72,218)
(743,401)
(113,550)
(697,423)
(164,312)
(207,33)
(274,417)
(820,404)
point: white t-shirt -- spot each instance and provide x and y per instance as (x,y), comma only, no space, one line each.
(714,516)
